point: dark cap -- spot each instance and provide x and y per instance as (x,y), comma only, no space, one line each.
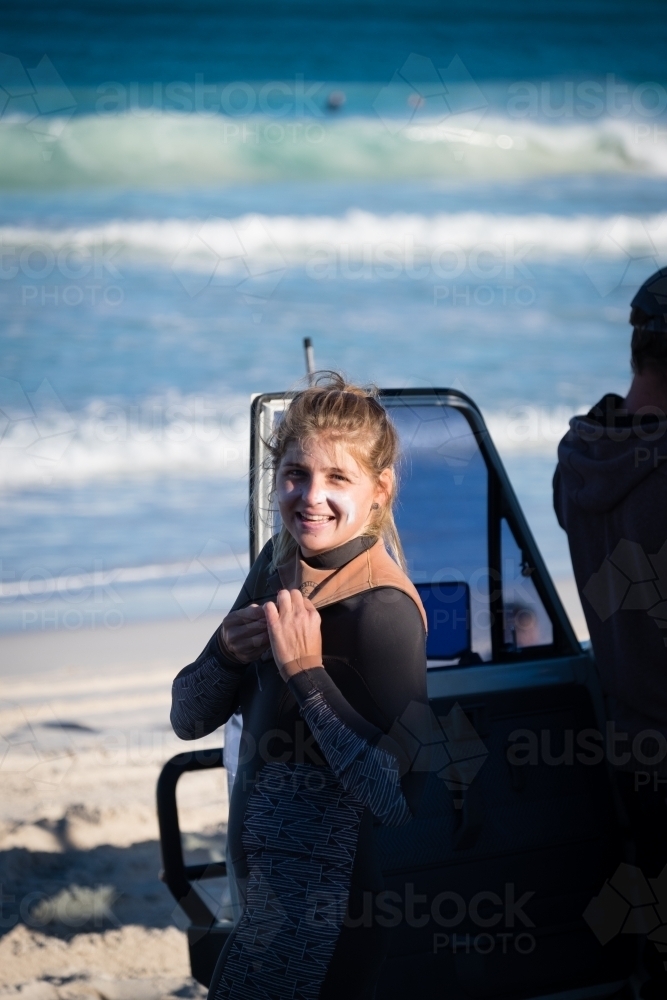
(649,306)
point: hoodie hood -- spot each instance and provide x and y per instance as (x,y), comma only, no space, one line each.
(608,452)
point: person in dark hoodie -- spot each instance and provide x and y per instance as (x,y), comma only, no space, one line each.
(610,496)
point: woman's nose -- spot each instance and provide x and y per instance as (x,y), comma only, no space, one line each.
(314,492)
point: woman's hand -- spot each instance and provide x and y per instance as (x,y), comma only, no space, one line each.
(294,631)
(245,634)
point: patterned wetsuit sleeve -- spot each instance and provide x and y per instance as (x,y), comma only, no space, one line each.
(349,743)
(205,693)
(374,766)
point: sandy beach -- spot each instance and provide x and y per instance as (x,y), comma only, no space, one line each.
(84,731)
(84,724)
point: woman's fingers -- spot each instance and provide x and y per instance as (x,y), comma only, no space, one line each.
(238,640)
(249,628)
(254,612)
(297,599)
(248,650)
(246,626)
(271,613)
(294,627)
(247,641)
(284,602)
(310,607)
(245,633)
(245,616)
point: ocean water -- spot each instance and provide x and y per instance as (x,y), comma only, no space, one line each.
(179,208)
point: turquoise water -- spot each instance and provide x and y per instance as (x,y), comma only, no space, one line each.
(178,209)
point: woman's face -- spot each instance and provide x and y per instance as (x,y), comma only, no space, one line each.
(325,497)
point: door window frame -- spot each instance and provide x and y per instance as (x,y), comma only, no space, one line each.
(502,503)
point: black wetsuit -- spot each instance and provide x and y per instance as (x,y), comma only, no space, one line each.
(323,758)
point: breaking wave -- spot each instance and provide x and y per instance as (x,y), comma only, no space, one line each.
(166,149)
(307,240)
(203,437)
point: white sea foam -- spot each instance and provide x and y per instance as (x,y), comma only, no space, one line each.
(168,148)
(200,437)
(221,567)
(530,430)
(389,242)
(189,436)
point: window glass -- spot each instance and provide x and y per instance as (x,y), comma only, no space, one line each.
(441,513)
(526,622)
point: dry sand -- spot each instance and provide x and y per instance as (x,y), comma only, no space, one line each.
(84,731)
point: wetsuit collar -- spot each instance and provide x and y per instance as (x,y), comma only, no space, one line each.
(359,565)
(335,558)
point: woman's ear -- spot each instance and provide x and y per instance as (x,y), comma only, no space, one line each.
(384,487)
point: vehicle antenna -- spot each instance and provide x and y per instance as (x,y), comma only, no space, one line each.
(310,359)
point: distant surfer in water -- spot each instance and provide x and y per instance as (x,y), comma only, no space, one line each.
(323,651)
(335,100)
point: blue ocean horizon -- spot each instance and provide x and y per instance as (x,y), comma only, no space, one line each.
(180,206)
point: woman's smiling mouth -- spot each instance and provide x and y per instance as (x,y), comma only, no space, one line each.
(313,519)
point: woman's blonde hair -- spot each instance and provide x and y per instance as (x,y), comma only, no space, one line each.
(353,415)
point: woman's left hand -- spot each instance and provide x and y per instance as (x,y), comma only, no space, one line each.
(294,631)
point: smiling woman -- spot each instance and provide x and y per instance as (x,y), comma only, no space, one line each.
(334,454)
(324,653)
(323,495)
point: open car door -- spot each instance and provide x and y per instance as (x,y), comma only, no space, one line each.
(517,829)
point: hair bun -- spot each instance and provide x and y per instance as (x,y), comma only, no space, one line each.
(329,379)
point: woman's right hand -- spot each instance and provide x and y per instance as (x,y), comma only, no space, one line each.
(245,634)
